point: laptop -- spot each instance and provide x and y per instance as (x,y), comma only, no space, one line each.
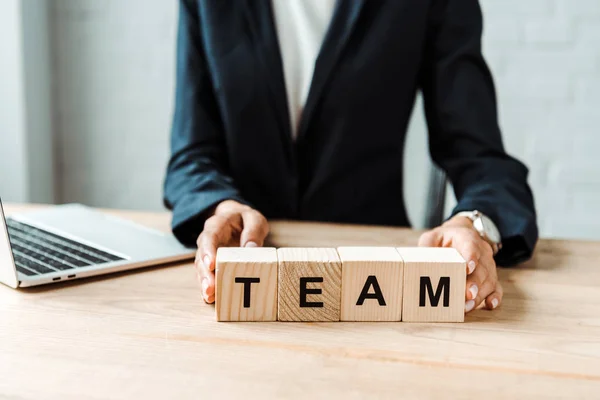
(72,241)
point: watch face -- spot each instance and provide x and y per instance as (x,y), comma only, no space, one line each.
(490,229)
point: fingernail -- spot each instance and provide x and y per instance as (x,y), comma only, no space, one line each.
(494,303)
(251,244)
(204,285)
(469,305)
(471,267)
(474,290)
(206,261)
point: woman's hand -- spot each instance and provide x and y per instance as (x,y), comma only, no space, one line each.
(482,277)
(231,224)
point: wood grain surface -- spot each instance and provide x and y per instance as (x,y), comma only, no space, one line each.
(246,263)
(433,264)
(148,335)
(358,265)
(298,263)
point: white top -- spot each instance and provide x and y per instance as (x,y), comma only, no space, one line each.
(301,27)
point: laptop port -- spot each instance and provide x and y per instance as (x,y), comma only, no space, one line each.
(71,276)
(56,279)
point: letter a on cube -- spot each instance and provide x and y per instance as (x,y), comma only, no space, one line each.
(246,284)
(434,285)
(371,283)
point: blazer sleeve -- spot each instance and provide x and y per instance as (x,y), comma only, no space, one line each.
(464,136)
(196,177)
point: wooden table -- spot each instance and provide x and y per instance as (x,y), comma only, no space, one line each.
(148,334)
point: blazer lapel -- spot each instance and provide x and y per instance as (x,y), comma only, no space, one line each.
(338,34)
(262,28)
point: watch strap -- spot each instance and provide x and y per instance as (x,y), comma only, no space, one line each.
(473,216)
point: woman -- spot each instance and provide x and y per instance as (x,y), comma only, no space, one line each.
(298,109)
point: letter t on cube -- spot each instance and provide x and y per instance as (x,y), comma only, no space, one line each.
(434,285)
(246,280)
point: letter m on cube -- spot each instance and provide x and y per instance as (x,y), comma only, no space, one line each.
(434,285)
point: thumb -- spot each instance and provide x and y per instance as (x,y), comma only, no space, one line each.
(431,238)
(255,230)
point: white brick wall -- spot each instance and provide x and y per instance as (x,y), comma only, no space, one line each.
(114,83)
(548,80)
(114,77)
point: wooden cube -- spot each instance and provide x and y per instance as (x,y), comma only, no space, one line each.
(246,284)
(310,282)
(434,285)
(371,283)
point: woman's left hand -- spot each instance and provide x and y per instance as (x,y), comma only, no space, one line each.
(482,277)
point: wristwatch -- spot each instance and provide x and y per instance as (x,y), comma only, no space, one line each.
(485,227)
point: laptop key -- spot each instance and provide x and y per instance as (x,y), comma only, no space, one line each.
(25,271)
(32,265)
(56,239)
(55,264)
(42,259)
(41,252)
(34,246)
(88,258)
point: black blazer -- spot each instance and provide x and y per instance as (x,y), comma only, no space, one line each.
(231,135)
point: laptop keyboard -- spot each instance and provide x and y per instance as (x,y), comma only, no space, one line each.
(38,252)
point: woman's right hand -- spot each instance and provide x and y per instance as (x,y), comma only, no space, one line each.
(231,224)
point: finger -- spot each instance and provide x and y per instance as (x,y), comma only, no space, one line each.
(209,299)
(495,299)
(431,238)
(487,288)
(217,232)
(206,273)
(200,281)
(467,244)
(484,280)
(256,229)
(206,278)
(476,279)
